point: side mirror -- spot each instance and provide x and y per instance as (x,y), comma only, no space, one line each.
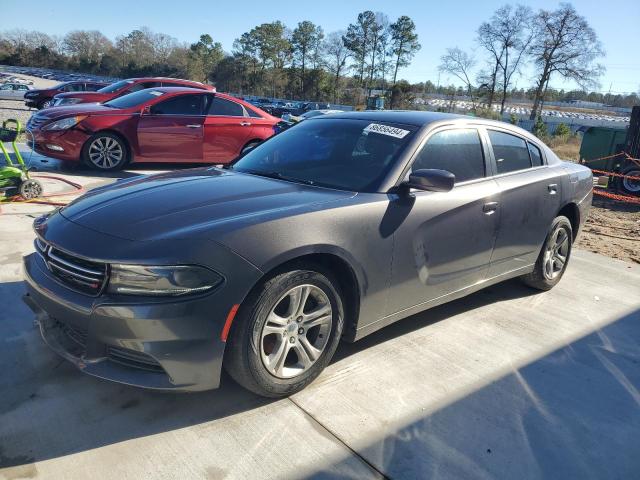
(432,180)
(146,110)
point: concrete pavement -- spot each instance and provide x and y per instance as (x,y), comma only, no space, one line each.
(506,383)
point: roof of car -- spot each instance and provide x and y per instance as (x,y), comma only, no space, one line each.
(407,117)
(179,80)
(420,118)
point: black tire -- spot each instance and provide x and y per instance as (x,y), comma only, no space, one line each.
(541,278)
(243,356)
(30,189)
(249,146)
(112,143)
(627,185)
(44,104)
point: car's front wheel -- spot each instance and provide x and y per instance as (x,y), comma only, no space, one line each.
(105,151)
(285,333)
(554,256)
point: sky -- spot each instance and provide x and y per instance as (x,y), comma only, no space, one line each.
(439,25)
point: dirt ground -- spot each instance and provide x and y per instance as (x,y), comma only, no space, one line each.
(612,229)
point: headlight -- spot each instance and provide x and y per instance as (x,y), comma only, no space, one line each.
(65,123)
(160,281)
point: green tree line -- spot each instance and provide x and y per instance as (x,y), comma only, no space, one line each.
(271,59)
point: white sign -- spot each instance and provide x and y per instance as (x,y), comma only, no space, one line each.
(386,130)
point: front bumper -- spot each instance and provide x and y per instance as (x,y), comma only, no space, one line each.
(161,344)
(64,145)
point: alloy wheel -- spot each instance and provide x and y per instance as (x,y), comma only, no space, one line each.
(105,152)
(296,331)
(556,253)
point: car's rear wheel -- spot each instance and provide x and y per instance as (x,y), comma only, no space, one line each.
(630,183)
(249,146)
(285,333)
(105,151)
(554,256)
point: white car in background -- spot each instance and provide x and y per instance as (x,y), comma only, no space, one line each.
(13,91)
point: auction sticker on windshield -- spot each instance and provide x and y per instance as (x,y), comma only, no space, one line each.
(386,130)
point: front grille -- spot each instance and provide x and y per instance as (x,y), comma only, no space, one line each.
(77,273)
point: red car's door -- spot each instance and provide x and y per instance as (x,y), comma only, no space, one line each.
(227,128)
(172,130)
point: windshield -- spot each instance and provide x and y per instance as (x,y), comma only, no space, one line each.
(114,87)
(347,154)
(133,99)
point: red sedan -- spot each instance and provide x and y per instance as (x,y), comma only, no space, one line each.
(165,124)
(123,87)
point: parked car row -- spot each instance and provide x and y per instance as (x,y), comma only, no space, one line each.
(43,97)
(50,74)
(174,121)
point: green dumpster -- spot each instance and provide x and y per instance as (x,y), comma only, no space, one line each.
(598,142)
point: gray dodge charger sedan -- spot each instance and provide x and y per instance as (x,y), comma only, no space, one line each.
(330,230)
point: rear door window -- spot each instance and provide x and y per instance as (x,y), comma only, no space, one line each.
(458,151)
(180,105)
(536,155)
(511,152)
(226,108)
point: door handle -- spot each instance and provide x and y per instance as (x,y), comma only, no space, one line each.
(193,125)
(245,124)
(490,207)
(553,188)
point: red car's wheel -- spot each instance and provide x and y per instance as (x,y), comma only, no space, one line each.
(105,151)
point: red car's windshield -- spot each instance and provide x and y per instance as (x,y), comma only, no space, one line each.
(114,87)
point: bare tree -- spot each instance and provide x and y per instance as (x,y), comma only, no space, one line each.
(337,56)
(506,36)
(459,64)
(566,45)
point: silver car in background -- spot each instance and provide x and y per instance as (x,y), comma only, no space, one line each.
(13,91)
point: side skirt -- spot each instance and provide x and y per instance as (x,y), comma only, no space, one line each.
(407,312)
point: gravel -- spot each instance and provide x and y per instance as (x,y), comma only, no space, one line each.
(17,109)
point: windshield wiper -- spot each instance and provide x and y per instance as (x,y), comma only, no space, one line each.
(278,176)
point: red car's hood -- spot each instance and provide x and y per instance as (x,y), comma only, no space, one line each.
(71,110)
(87,97)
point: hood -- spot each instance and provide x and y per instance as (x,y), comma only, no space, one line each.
(196,203)
(87,97)
(53,113)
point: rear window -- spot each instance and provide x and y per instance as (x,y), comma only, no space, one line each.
(134,99)
(536,155)
(511,152)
